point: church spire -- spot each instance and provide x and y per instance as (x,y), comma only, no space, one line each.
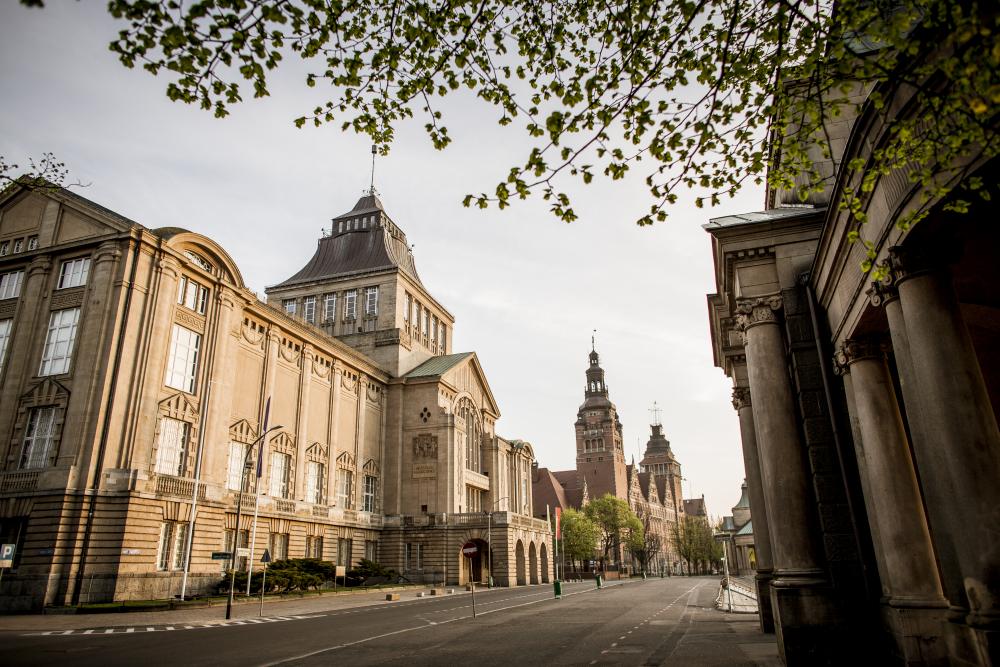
(595,375)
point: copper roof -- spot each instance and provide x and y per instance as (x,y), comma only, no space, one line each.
(363,240)
(438,365)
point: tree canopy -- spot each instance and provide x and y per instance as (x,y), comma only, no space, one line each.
(616,522)
(579,535)
(688,92)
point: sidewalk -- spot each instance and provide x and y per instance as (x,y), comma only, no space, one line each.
(208,615)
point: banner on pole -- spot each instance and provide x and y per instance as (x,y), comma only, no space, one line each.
(558,523)
(263,430)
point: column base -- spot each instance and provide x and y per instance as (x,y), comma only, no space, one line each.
(764,608)
(917,631)
(810,628)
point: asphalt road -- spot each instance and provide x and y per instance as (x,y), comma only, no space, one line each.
(634,623)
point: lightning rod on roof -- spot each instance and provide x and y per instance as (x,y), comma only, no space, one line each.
(371,190)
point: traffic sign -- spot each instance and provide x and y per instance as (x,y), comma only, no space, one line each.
(266,558)
(469,550)
(222,555)
(7,555)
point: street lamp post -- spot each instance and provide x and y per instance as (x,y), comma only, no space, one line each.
(489,537)
(239,510)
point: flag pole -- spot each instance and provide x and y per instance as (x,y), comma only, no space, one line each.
(256,504)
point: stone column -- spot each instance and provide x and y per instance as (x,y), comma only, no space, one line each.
(805,619)
(758,509)
(215,439)
(958,451)
(302,421)
(892,496)
(336,377)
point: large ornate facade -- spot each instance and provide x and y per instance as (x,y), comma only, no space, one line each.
(136,373)
(868,410)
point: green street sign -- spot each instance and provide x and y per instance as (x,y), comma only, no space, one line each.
(222,555)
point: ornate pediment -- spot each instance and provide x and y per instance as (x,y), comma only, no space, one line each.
(425,445)
(317,451)
(371,467)
(345,460)
(179,406)
(242,431)
(283,441)
(46,392)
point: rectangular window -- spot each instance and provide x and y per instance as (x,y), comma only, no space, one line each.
(241,561)
(309,309)
(182,365)
(371,550)
(18,245)
(59,341)
(425,323)
(33,242)
(443,337)
(370,494)
(329,307)
(279,546)
(289,305)
(345,484)
(314,481)
(406,308)
(234,477)
(344,549)
(434,329)
(414,556)
(173,542)
(371,301)
(74,273)
(4,248)
(281,466)
(5,329)
(10,284)
(314,546)
(351,304)
(36,451)
(171,450)
(192,294)
(415,314)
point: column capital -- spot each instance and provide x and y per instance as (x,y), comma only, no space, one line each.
(908,262)
(40,264)
(168,264)
(758,310)
(856,349)
(108,251)
(741,398)
(884,291)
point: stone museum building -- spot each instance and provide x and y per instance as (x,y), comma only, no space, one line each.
(652,489)
(868,409)
(137,370)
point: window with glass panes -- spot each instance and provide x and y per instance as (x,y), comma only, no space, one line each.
(407,307)
(371,550)
(425,322)
(172,447)
(329,307)
(344,549)
(37,449)
(289,305)
(18,245)
(59,341)
(4,248)
(5,329)
(74,273)
(192,295)
(281,468)
(350,304)
(314,546)
(241,561)
(345,484)
(314,481)
(371,301)
(182,365)
(309,309)
(370,493)
(434,329)
(443,337)
(415,314)
(33,242)
(279,546)
(10,284)
(414,556)
(173,541)
(235,472)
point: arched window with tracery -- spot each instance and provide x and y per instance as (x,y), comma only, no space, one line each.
(472,437)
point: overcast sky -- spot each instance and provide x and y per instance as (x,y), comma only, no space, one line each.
(526,290)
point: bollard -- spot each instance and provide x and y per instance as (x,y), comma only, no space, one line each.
(558,588)
(391,597)
(598,580)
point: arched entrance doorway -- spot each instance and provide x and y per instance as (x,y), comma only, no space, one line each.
(545,564)
(519,560)
(532,563)
(476,568)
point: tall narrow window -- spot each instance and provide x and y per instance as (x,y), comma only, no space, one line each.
(345,483)
(281,467)
(425,322)
(415,314)
(74,273)
(434,329)
(344,549)
(370,494)
(182,366)
(10,284)
(314,546)
(171,450)
(309,309)
(234,478)
(314,481)
(192,294)
(289,306)
(279,546)
(414,556)
(173,543)
(443,337)
(4,248)
(406,308)
(18,245)
(33,242)
(38,437)
(5,329)
(371,550)
(329,307)
(371,301)
(351,304)
(59,341)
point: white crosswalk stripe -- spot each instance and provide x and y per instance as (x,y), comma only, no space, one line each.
(164,628)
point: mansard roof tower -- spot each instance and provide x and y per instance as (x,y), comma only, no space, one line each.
(362,287)
(600,455)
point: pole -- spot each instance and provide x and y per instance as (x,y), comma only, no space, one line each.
(253,536)
(473,584)
(489,545)
(262,588)
(236,542)
(729,588)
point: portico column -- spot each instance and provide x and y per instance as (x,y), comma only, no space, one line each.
(960,442)
(758,508)
(892,497)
